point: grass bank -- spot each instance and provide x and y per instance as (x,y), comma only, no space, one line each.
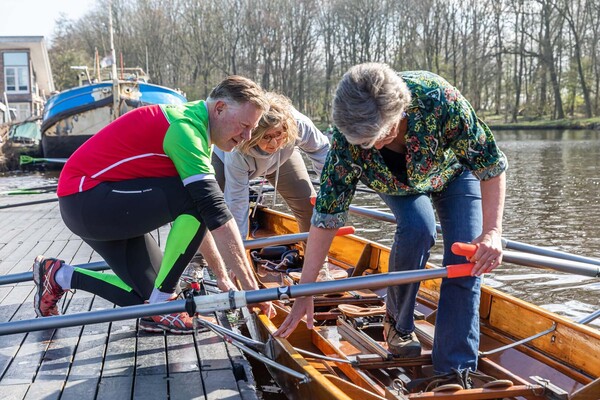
(497,122)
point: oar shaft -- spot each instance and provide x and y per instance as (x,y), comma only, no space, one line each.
(92,317)
(248,244)
(375,281)
(508,244)
(533,260)
(287,239)
(527,248)
(28,276)
(29,203)
(571,267)
(230,300)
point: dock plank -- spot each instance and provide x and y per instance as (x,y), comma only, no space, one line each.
(151,367)
(104,361)
(185,381)
(84,375)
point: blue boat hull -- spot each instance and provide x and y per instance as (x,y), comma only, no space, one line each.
(73,116)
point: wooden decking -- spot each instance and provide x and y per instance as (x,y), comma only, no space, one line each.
(100,361)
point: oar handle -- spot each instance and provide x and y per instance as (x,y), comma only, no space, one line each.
(345,230)
(459,270)
(464,249)
(533,260)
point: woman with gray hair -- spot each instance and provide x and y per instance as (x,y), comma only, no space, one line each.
(413,138)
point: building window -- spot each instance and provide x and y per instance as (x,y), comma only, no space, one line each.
(16,73)
(23,110)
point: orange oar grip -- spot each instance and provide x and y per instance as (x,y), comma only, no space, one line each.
(459,270)
(313,200)
(464,249)
(345,230)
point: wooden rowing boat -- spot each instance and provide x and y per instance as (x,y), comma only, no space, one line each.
(560,364)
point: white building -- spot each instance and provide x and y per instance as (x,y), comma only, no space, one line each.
(25,76)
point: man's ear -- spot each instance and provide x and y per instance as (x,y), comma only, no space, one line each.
(220,106)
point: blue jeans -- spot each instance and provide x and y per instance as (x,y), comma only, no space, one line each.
(457,322)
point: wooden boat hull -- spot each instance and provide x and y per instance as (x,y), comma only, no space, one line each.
(73,116)
(566,358)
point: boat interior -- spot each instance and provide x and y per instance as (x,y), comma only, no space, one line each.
(529,353)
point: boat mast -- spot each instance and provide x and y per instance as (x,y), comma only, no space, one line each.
(116,93)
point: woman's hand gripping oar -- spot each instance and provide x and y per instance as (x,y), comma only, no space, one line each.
(531,260)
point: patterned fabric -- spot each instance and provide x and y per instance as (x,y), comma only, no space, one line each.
(444,137)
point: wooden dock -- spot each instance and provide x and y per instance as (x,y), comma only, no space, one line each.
(101,361)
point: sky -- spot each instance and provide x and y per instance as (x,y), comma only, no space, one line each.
(37,17)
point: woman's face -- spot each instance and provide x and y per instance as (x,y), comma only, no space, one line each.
(387,138)
(272,140)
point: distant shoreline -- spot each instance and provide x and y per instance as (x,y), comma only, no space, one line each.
(496,125)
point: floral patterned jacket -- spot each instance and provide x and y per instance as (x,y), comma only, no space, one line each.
(444,137)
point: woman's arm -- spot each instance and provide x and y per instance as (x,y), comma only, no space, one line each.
(317,247)
(489,252)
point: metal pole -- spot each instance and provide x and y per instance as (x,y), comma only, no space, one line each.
(227,301)
(287,239)
(571,267)
(28,203)
(28,276)
(248,244)
(533,260)
(375,281)
(508,244)
(116,94)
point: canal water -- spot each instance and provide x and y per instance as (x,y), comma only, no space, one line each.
(553,200)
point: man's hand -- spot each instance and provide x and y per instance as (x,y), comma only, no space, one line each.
(226,284)
(303,306)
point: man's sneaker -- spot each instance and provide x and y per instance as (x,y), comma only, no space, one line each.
(180,323)
(405,346)
(48,292)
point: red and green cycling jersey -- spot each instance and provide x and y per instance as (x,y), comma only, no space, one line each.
(148,142)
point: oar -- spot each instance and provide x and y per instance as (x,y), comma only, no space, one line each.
(28,160)
(28,276)
(29,203)
(233,300)
(31,190)
(248,244)
(291,238)
(532,260)
(27,191)
(508,244)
